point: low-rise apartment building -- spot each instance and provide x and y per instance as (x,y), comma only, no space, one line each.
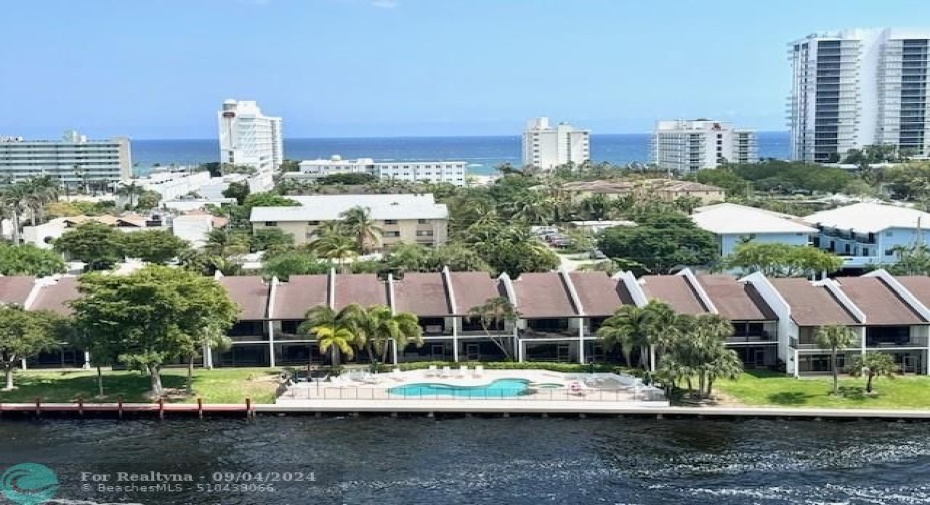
(867,234)
(734,224)
(434,172)
(775,320)
(407,218)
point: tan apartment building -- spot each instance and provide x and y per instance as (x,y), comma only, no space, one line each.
(664,189)
(407,218)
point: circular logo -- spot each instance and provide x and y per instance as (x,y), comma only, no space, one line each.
(28,484)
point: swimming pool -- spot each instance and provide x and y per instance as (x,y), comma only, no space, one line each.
(501,388)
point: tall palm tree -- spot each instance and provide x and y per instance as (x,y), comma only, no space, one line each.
(359,224)
(334,331)
(833,338)
(130,191)
(15,198)
(627,330)
(42,191)
(335,247)
(493,314)
(224,243)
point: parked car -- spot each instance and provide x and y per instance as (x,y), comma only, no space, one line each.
(597,254)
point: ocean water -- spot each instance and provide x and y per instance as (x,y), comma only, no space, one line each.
(481,153)
(480,461)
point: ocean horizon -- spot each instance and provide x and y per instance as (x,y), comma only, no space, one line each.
(481,153)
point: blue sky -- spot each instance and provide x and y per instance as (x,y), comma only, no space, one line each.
(337,68)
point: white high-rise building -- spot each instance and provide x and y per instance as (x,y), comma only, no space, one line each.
(859,87)
(248,137)
(73,161)
(547,147)
(688,145)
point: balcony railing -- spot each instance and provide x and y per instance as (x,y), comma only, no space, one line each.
(802,346)
(916,341)
(553,333)
(764,337)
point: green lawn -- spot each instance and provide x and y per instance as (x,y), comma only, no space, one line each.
(224,385)
(772,389)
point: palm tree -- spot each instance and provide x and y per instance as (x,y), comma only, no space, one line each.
(41,191)
(377,326)
(627,330)
(359,224)
(334,331)
(833,338)
(130,191)
(224,243)
(15,198)
(872,365)
(492,315)
(335,247)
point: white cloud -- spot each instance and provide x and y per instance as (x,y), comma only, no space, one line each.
(384,4)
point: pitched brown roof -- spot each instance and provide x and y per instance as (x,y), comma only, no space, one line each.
(599,294)
(16,289)
(881,305)
(473,289)
(675,291)
(736,301)
(423,294)
(918,285)
(363,289)
(543,295)
(812,305)
(299,294)
(55,297)
(250,293)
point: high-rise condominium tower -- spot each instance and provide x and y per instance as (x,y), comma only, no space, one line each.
(248,137)
(547,147)
(859,87)
(685,146)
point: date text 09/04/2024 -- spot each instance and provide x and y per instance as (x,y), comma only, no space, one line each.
(213,478)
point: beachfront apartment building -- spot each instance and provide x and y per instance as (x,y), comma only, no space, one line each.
(407,218)
(73,161)
(774,320)
(547,147)
(249,138)
(684,146)
(854,88)
(867,235)
(734,224)
(433,172)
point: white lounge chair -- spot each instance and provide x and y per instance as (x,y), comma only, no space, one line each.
(397,375)
(463,372)
(431,371)
(479,371)
(446,372)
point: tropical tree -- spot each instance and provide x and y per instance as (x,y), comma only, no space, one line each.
(27,259)
(358,224)
(98,245)
(833,338)
(41,191)
(646,329)
(285,264)
(15,199)
(377,326)
(270,238)
(697,348)
(223,242)
(25,334)
(338,248)
(334,331)
(873,365)
(131,192)
(152,316)
(781,260)
(153,246)
(494,314)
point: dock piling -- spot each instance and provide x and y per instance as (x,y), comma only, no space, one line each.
(38,407)
(80,406)
(200,407)
(119,406)
(161,408)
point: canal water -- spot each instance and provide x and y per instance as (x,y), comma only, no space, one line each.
(474,461)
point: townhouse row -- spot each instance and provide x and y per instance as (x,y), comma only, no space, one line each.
(774,320)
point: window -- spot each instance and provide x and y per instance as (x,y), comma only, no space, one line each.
(391,234)
(390,221)
(424,233)
(889,252)
(423,221)
(889,234)
(313,223)
(271,223)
